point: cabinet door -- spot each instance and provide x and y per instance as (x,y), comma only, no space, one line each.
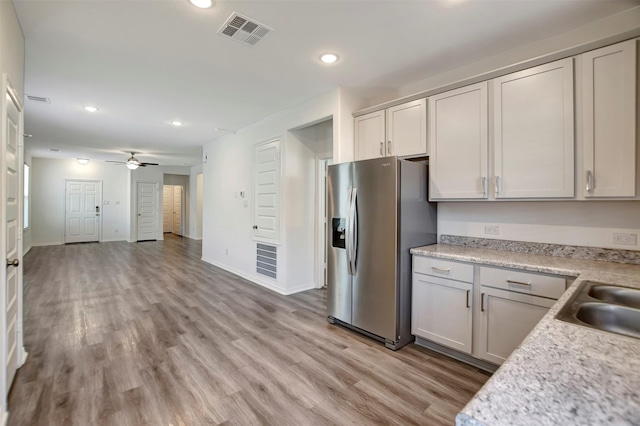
(441,311)
(407,129)
(506,319)
(458,143)
(370,140)
(609,121)
(533,132)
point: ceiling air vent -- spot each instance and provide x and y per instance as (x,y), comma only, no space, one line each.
(39,99)
(244,30)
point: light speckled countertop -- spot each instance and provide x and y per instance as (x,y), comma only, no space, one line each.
(561,374)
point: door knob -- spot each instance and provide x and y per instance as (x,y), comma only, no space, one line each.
(14,262)
(255,226)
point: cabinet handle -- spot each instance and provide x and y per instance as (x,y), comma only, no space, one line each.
(589,186)
(518,282)
(482,302)
(381,149)
(497,185)
(468,291)
(388,147)
(435,268)
(484,185)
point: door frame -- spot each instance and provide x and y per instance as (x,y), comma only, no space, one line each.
(64,191)
(321,238)
(8,90)
(158,211)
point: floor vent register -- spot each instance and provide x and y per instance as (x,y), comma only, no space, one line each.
(267,260)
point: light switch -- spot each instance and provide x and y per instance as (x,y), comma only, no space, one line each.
(105,202)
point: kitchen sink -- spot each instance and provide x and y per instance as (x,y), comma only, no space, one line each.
(618,295)
(613,318)
(604,307)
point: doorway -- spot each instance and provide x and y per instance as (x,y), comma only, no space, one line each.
(83,201)
(173,209)
(147,204)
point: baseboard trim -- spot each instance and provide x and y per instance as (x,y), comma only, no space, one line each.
(468,359)
(114,241)
(4,417)
(26,251)
(258,280)
(46,244)
(25,355)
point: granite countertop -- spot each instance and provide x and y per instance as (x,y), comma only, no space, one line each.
(561,374)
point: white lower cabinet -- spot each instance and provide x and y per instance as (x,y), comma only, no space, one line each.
(442,311)
(508,305)
(507,317)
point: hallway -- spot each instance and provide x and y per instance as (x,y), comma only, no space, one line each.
(147,333)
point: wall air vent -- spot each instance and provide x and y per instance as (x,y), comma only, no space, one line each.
(39,99)
(244,30)
(267,260)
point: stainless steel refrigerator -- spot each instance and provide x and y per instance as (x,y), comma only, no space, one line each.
(377,210)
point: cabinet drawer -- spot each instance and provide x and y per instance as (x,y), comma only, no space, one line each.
(523,282)
(443,268)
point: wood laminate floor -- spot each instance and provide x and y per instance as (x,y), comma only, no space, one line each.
(147,333)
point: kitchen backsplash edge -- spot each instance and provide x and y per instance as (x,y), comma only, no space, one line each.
(557,250)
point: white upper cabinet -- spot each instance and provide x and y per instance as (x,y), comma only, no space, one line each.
(458,143)
(370,136)
(407,129)
(609,121)
(533,132)
(400,130)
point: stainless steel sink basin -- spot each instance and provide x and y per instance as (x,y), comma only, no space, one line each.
(613,318)
(604,307)
(618,295)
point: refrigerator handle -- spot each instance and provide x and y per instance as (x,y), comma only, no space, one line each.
(348,232)
(354,231)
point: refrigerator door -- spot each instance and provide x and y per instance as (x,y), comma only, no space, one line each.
(339,282)
(375,279)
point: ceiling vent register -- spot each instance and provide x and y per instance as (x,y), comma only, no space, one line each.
(39,99)
(244,30)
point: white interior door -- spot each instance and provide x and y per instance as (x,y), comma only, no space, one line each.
(11,246)
(167,208)
(147,201)
(266,168)
(82,214)
(177,210)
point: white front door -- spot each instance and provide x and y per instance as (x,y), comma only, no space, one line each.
(167,208)
(177,210)
(266,165)
(82,219)
(11,276)
(147,211)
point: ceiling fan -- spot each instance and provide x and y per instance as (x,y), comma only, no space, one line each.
(133,163)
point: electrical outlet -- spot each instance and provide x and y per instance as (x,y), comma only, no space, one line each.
(492,229)
(625,239)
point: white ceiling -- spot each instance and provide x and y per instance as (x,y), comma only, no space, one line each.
(147,62)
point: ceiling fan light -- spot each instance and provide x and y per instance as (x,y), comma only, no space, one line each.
(83,161)
(202,4)
(131,165)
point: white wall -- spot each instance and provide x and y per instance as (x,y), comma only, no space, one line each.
(26,234)
(195,202)
(227,224)
(48,198)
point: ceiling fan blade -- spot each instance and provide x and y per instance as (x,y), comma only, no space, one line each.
(110,161)
(149,164)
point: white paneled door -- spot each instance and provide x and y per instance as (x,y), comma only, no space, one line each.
(266,168)
(11,277)
(147,202)
(177,210)
(82,212)
(167,208)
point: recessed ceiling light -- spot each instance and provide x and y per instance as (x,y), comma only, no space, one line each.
(83,161)
(177,123)
(329,58)
(90,108)
(202,4)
